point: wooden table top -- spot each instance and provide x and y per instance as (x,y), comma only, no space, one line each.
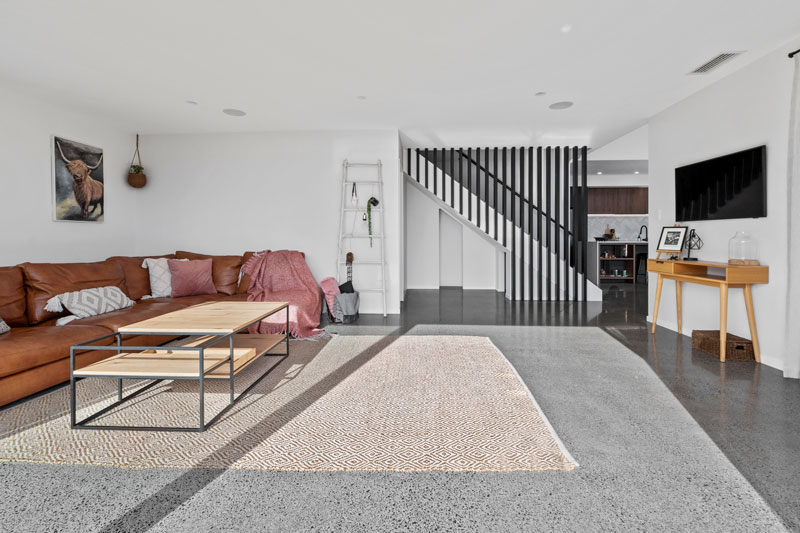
(218,318)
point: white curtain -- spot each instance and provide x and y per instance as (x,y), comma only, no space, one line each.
(791,357)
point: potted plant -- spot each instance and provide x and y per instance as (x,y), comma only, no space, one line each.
(136,176)
(372,202)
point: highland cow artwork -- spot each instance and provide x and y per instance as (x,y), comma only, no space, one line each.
(78,191)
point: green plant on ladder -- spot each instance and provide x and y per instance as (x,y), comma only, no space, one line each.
(372,202)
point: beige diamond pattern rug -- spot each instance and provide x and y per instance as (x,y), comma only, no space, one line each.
(353,403)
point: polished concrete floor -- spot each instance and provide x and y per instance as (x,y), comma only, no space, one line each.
(749,410)
(668,439)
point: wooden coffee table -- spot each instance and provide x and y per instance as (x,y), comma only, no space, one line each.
(192,357)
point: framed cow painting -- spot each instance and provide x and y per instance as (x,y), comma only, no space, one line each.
(78,189)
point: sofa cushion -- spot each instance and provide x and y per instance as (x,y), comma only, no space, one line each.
(137,278)
(45,280)
(12,297)
(225,269)
(26,348)
(191,278)
(88,302)
(141,311)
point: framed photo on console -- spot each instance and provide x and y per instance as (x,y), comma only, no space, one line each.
(672,239)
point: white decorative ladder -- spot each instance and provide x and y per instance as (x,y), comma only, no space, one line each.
(347,238)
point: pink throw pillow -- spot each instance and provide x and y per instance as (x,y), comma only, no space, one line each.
(330,287)
(190,278)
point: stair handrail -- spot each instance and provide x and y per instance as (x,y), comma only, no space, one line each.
(460,151)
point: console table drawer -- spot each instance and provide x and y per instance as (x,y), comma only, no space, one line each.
(662,266)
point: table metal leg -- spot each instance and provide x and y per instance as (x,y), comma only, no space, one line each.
(723,319)
(202,426)
(679,299)
(230,345)
(659,285)
(287,330)
(751,319)
(72,402)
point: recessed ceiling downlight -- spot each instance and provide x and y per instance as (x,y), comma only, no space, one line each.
(361,97)
(234,112)
(561,105)
(191,102)
(540,93)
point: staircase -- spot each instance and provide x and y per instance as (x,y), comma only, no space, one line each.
(532,201)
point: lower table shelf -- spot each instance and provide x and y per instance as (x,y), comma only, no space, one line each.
(165,363)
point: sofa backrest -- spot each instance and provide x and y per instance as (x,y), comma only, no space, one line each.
(12,297)
(224,269)
(45,280)
(244,280)
(137,278)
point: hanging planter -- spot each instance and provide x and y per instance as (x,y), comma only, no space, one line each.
(136,176)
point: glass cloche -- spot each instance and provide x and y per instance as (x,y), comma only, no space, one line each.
(742,249)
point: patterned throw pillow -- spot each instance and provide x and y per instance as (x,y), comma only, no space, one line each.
(4,327)
(88,302)
(160,277)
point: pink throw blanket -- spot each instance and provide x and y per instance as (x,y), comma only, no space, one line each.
(283,276)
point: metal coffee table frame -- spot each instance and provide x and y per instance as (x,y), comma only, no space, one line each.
(119,347)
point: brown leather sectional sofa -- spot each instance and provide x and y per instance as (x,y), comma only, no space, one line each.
(34,355)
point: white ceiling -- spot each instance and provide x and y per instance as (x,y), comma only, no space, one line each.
(454,72)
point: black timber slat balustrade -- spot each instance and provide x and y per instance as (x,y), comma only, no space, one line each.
(486,189)
(584,220)
(550,206)
(575,210)
(513,225)
(505,196)
(452,179)
(469,184)
(522,213)
(478,185)
(539,219)
(565,233)
(548,203)
(435,175)
(557,239)
(530,223)
(495,198)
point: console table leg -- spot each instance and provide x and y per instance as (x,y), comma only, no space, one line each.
(723,319)
(751,319)
(679,297)
(659,284)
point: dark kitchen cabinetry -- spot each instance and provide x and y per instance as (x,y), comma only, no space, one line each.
(617,200)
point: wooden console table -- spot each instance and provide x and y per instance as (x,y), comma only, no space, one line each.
(720,275)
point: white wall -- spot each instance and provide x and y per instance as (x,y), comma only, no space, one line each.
(479,262)
(618,180)
(29,232)
(227,193)
(746,109)
(422,240)
(482,262)
(451,252)
(632,145)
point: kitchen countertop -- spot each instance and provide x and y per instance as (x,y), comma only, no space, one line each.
(621,242)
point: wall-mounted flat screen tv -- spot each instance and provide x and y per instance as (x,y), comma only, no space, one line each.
(731,186)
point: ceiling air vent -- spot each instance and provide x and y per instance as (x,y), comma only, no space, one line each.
(713,63)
